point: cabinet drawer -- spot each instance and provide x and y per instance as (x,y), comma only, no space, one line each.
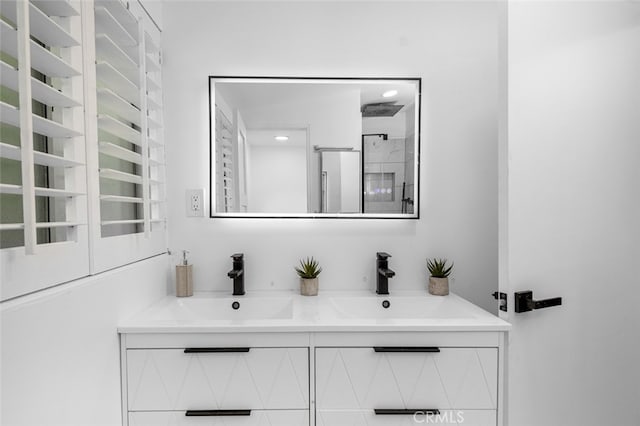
(369,418)
(261,378)
(451,378)
(257,418)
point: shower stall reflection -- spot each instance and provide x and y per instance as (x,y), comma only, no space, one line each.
(340,180)
(387,174)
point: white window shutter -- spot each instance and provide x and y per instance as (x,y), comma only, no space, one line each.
(126,168)
(43,227)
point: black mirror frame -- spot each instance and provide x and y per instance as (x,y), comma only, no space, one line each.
(414,216)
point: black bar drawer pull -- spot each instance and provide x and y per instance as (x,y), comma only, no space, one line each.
(212,413)
(431,349)
(410,411)
(214,350)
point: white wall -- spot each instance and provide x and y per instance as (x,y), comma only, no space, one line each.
(276,189)
(451,45)
(333,119)
(60,362)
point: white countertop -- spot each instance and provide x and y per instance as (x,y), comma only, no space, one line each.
(275,311)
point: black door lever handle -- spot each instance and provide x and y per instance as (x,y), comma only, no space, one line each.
(524,302)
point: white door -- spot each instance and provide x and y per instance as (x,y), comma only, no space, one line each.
(570,224)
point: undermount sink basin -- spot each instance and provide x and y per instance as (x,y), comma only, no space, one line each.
(225,308)
(399,307)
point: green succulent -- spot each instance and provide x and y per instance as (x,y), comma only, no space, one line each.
(309,268)
(438,268)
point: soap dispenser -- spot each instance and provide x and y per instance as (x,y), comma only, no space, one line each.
(184,283)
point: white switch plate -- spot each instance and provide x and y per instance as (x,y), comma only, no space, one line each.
(195,202)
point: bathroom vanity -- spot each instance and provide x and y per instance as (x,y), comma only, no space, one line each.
(341,358)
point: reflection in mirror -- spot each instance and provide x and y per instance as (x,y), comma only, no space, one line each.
(287,147)
(340,180)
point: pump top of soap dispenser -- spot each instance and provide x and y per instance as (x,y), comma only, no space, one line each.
(184,257)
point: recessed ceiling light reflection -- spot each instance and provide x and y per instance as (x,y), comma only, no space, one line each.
(389,93)
(282,138)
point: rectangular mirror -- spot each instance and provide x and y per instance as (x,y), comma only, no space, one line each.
(314,147)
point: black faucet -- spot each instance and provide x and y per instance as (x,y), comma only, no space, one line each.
(384,273)
(237,274)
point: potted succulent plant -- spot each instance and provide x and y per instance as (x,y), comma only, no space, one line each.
(308,272)
(439,279)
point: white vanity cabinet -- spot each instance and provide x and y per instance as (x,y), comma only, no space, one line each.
(218,378)
(183,365)
(369,418)
(210,380)
(255,418)
(382,378)
(398,385)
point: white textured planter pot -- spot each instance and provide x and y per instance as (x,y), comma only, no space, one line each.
(438,286)
(309,286)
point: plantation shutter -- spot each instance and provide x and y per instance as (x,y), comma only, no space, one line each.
(43,223)
(127,168)
(155,127)
(225,163)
